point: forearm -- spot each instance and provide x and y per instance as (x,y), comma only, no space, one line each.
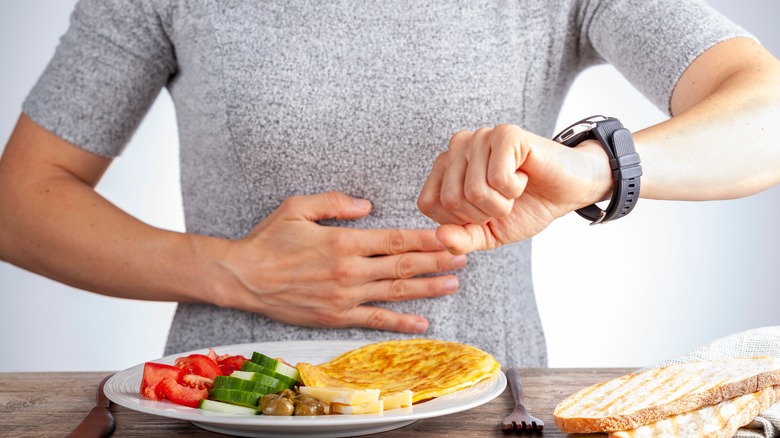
(53,222)
(63,230)
(724,145)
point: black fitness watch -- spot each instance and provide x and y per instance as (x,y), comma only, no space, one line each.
(623,160)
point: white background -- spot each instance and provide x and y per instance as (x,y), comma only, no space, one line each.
(664,280)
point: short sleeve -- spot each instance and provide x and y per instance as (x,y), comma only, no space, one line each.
(652,42)
(107,70)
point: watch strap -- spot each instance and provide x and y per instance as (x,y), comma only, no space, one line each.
(623,161)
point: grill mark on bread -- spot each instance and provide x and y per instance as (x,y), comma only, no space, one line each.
(717,421)
(633,385)
(641,398)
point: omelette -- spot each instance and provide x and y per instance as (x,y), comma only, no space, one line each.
(429,368)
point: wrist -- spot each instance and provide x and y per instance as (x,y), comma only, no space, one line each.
(601,184)
(624,163)
(208,277)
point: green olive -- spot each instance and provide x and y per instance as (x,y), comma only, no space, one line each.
(287,393)
(306,397)
(309,406)
(265,400)
(279,406)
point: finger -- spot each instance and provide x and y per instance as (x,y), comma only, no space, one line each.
(464,239)
(321,206)
(476,187)
(411,288)
(409,265)
(452,195)
(429,201)
(384,242)
(383,319)
(505,160)
(355,316)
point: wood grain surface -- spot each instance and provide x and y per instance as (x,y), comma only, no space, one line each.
(53,404)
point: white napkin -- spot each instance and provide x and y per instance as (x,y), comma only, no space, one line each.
(763,341)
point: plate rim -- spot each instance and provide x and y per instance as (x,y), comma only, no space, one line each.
(487,390)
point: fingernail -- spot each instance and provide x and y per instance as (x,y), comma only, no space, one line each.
(361,203)
(459,261)
(420,326)
(451,284)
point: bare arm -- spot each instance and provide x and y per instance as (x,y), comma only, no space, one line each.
(289,268)
(722,139)
(500,185)
(55,224)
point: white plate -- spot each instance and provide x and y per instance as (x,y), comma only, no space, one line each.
(123,389)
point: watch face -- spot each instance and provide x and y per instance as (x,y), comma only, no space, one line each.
(578,132)
(574,134)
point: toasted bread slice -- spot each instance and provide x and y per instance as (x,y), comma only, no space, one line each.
(636,399)
(717,421)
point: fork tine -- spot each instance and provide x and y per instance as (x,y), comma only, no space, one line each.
(520,420)
(526,427)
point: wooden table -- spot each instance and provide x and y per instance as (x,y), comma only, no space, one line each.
(52,404)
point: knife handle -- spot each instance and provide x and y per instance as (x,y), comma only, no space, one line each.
(99,423)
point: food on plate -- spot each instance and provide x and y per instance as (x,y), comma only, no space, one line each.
(647,397)
(341,395)
(428,368)
(187,382)
(718,421)
(249,381)
(372,407)
(401,399)
(260,379)
(358,401)
(250,368)
(226,408)
(247,399)
(289,402)
(308,405)
(160,382)
(367,380)
(275,366)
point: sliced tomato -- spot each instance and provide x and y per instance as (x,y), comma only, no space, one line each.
(199,364)
(154,373)
(181,394)
(189,380)
(228,364)
(227,370)
(196,381)
(152,392)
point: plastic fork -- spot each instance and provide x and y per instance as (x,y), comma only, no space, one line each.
(520,420)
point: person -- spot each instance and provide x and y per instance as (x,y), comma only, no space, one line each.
(309,133)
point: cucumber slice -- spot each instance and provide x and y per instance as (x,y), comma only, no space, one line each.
(235,397)
(226,408)
(255,368)
(230,382)
(265,380)
(276,366)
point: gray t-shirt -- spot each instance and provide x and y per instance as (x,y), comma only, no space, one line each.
(290,97)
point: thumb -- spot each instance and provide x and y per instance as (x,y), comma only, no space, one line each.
(329,205)
(462,239)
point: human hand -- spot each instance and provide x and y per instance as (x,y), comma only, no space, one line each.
(296,271)
(500,185)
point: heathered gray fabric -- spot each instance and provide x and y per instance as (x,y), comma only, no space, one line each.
(288,97)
